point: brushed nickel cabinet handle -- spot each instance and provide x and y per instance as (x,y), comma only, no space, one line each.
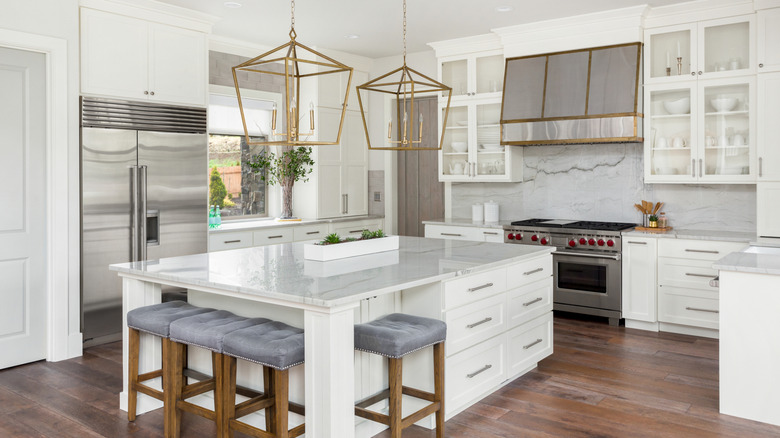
(702,251)
(534,271)
(312,232)
(636,243)
(232,241)
(451,234)
(358,231)
(479,371)
(474,289)
(760,166)
(488,319)
(693,168)
(526,347)
(701,172)
(696,309)
(535,300)
(691,274)
(275,237)
(490,233)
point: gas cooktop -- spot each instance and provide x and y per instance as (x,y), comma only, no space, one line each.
(575,225)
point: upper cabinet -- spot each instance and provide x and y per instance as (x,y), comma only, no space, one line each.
(706,50)
(136,59)
(768,40)
(473,75)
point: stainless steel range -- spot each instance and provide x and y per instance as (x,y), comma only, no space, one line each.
(586,263)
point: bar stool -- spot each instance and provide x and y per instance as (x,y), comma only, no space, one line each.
(207,331)
(155,319)
(278,347)
(395,336)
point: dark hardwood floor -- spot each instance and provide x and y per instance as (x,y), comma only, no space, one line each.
(601,382)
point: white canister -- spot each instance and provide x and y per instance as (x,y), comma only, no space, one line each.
(491,211)
(477,213)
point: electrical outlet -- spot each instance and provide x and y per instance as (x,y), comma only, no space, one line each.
(377,196)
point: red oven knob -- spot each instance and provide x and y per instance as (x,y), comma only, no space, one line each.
(572,243)
(510,236)
(534,238)
(583,241)
(591,241)
(544,241)
(610,242)
(518,236)
(601,242)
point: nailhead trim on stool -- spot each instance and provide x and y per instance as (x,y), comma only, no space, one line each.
(395,336)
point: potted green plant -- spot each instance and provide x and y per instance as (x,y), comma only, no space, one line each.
(288,165)
(653,221)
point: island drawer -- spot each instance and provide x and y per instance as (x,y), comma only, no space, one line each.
(355,228)
(273,236)
(688,307)
(529,343)
(223,241)
(530,271)
(468,325)
(686,273)
(472,287)
(310,232)
(530,301)
(453,232)
(474,371)
(697,249)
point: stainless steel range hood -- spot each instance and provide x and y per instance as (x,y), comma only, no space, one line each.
(581,96)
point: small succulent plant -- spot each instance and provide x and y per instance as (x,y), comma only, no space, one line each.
(653,218)
(334,238)
(330,239)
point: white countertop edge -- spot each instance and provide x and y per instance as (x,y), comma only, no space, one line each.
(266,223)
(725,236)
(749,262)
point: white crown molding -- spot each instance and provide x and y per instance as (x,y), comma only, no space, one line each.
(698,10)
(151,10)
(462,46)
(766,4)
(615,26)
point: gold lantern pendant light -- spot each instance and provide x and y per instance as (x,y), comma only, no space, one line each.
(300,67)
(407,87)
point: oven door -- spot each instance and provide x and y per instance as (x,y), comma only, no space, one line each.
(587,280)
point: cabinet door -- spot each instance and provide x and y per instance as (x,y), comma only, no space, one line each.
(329,195)
(670,135)
(768,217)
(639,278)
(354,159)
(114,59)
(177,59)
(726,47)
(454,155)
(768,40)
(663,47)
(767,114)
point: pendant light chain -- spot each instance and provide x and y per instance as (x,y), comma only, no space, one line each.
(404,32)
(292,19)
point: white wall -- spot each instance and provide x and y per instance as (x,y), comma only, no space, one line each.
(59,19)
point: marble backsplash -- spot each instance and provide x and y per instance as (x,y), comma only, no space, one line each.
(602,182)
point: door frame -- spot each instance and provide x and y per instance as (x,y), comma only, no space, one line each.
(63,332)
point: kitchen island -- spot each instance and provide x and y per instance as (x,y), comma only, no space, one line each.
(451,280)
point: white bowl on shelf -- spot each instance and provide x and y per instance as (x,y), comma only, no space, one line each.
(724,103)
(462,122)
(459,146)
(679,106)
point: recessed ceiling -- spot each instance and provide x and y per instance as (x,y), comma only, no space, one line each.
(325,23)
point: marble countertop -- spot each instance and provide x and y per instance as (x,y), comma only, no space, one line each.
(750,262)
(467,222)
(280,271)
(239,225)
(725,236)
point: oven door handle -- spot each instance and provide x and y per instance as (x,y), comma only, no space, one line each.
(593,256)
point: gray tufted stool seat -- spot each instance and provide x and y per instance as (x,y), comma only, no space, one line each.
(394,336)
(155,319)
(278,347)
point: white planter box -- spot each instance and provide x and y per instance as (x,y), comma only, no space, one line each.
(349,249)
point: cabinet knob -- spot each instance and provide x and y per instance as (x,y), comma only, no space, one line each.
(152,93)
(693,73)
(761,65)
(699,71)
(146,92)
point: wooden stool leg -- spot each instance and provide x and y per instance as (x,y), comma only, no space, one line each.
(438,386)
(228,398)
(173,354)
(395,376)
(281,379)
(133,348)
(269,388)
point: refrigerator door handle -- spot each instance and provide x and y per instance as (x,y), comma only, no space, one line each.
(142,211)
(134,217)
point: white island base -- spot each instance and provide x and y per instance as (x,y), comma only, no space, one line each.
(496,300)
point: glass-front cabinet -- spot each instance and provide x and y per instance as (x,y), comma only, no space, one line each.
(474,75)
(701,131)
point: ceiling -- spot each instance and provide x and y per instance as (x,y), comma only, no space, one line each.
(378,23)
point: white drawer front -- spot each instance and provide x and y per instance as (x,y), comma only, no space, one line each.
(273,236)
(453,233)
(471,324)
(354,229)
(697,249)
(686,273)
(530,271)
(463,290)
(529,343)
(495,235)
(474,371)
(223,241)
(310,232)
(530,301)
(677,306)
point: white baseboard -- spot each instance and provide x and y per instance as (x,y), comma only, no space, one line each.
(642,325)
(688,330)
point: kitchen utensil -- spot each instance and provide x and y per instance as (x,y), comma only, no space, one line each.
(491,211)
(459,146)
(477,213)
(639,208)
(678,106)
(723,103)
(678,142)
(657,207)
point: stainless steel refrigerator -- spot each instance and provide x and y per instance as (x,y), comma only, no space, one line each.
(144,186)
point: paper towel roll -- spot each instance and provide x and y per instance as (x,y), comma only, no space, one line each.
(491,211)
(477,213)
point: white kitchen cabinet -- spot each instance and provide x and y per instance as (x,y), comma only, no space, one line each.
(454,232)
(709,49)
(768,132)
(333,86)
(768,40)
(701,131)
(768,204)
(131,58)
(639,279)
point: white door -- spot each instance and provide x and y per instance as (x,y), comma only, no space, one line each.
(23,267)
